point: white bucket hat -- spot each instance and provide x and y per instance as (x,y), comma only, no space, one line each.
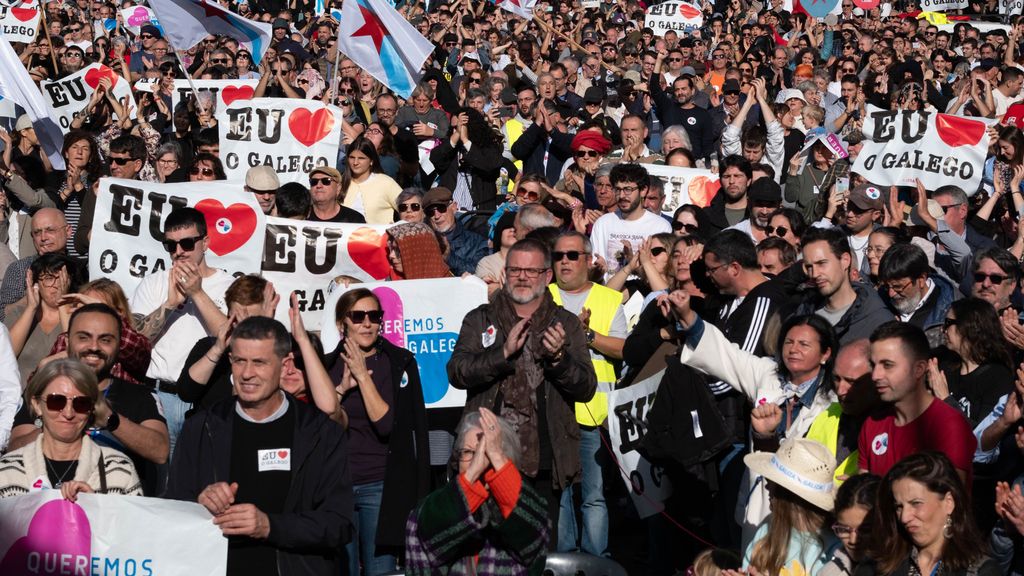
(802,466)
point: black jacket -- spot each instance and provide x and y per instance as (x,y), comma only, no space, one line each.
(317,521)
(530,149)
(483,165)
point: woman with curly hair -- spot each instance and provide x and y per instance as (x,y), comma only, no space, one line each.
(469,161)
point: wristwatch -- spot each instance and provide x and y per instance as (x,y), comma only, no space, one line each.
(591,335)
(112,422)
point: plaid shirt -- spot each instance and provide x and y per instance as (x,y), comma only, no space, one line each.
(132,356)
(443,537)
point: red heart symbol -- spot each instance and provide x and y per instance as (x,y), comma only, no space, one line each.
(228,227)
(688,11)
(231,93)
(956,131)
(282,454)
(366,248)
(24,14)
(310,127)
(867,4)
(702,190)
(93,77)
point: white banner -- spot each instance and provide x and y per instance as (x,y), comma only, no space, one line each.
(942,5)
(291,136)
(41,533)
(424,317)
(685,185)
(128,227)
(627,425)
(307,256)
(19,22)
(219,93)
(1011,7)
(939,149)
(673,15)
(135,17)
(71,94)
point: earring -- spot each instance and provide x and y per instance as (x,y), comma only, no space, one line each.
(947,528)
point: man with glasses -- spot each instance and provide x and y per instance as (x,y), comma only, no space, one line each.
(180,305)
(630,223)
(953,201)
(600,310)
(526,358)
(466,247)
(148,34)
(50,233)
(913,292)
(996,274)
(864,208)
(325,192)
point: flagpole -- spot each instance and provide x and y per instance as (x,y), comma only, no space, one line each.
(46,30)
(181,64)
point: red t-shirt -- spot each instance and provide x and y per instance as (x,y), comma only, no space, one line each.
(941,427)
(1014,116)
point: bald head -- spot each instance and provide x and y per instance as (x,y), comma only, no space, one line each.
(852,376)
(50,231)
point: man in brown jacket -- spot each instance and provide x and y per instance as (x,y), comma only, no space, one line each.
(526,358)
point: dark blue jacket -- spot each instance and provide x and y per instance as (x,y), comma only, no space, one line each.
(467,248)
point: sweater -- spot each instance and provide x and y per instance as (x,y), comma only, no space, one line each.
(105,470)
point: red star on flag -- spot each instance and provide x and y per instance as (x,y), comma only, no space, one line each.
(212,10)
(372,27)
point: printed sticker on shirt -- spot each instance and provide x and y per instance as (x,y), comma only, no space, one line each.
(691,121)
(40,483)
(405,380)
(880,445)
(276,459)
(489,336)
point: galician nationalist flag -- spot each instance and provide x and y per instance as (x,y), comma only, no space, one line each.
(383,43)
(523,8)
(187,22)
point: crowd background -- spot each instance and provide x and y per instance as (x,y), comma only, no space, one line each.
(841,391)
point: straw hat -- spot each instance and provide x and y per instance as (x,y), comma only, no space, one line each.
(802,466)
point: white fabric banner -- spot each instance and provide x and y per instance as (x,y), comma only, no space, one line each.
(627,425)
(673,15)
(135,17)
(942,5)
(685,185)
(307,256)
(17,86)
(128,227)
(71,94)
(41,533)
(291,136)
(19,22)
(939,149)
(424,317)
(219,93)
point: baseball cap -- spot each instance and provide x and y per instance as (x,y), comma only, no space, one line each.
(23,123)
(437,195)
(867,197)
(262,179)
(327,170)
(764,190)
(280,23)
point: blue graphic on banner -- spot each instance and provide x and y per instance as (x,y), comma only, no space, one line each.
(432,354)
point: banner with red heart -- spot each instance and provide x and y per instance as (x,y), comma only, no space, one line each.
(93,76)
(228,227)
(291,136)
(218,93)
(19,21)
(70,95)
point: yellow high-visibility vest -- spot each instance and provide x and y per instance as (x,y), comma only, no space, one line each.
(825,429)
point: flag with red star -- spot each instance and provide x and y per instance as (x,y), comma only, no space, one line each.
(377,38)
(187,22)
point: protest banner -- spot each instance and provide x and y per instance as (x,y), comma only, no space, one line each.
(939,149)
(217,94)
(108,535)
(135,17)
(19,22)
(673,15)
(424,317)
(648,484)
(290,136)
(1011,7)
(685,185)
(71,94)
(942,5)
(307,256)
(128,227)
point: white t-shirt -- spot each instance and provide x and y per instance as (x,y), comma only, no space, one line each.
(184,326)
(611,231)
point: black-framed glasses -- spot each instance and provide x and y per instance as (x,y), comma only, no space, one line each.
(187,244)
(49,280)
(586,154)
(658,251)
(947,322)
(119,161)
(146,36)
(572,255)
(463,455)
(689,228)
(410,207)
(625,189)
(945,209)
(325,181)
(531,273)
(80,404)
(779,231)
(980,277)
(435,208)
(360,316)
(220,61)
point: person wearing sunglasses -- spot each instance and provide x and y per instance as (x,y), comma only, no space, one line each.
(410,205)
(206,167)
(380,389)
(325,193)
(148,35)
(787,224)
(995,278)
(465,247)
(686,221)
(589,148)
(64,395)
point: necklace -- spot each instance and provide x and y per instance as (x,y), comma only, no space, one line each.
(60,477)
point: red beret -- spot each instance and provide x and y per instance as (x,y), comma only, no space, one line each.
(593,140)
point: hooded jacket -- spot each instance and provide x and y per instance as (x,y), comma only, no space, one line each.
(865,314)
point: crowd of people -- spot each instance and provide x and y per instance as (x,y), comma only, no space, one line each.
(839,360)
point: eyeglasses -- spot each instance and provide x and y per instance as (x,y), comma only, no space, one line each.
(713,269)
(947,322)
(528,195)
(436,208)
(360,316)
(586,154)
(374,131)
(625,189)
(842,530)
(945,209)
(474,80)
(530,273)
(187,244)
(80,404)
(464,455)
(243,57)
(220,61)
(658,251)
(196,170)
(779,231)
(49,279)
(980,277)
(146,36)
(411,207)
(325,181)
(572,255)
(690,228)
(674,59)
(900,290)
(119,161)
(302,81)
